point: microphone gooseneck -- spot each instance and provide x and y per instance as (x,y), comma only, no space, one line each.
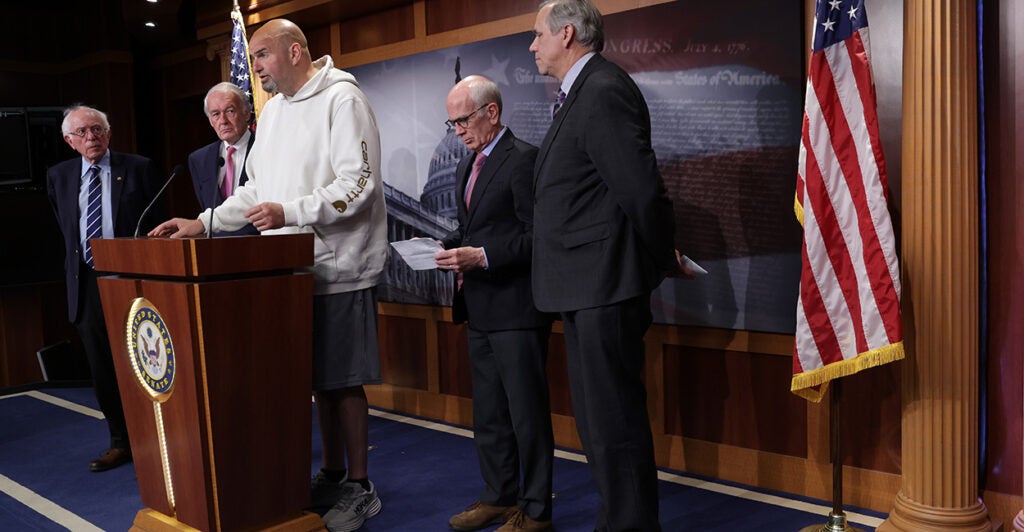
(177,170)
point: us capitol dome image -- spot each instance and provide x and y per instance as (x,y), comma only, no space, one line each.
(433,216)
(439,192)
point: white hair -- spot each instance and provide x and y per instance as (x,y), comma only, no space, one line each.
(65,126)
(230,88)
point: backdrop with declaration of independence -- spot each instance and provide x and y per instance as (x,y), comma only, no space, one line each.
(724,83)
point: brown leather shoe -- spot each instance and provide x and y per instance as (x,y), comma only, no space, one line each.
(520,521)
(110,459)
(479,515)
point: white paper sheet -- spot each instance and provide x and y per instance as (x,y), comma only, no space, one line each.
(418,253)
(693,266)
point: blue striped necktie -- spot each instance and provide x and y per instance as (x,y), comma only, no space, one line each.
(94,213)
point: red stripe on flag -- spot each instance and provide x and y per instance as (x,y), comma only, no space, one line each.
(881,281)
(834,246)
(817,319)
(866,88)
(834,243)
(846,149)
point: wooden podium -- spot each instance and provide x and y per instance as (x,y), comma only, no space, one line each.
(212,344)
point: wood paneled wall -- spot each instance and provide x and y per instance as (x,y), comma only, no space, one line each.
(102,79)
(448,15)
(387,27)
(31,317)
(719,401)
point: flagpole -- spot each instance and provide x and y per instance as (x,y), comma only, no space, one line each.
(846,322)
(836,518)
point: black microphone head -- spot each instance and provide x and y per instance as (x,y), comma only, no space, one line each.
(220,162)
(178,169)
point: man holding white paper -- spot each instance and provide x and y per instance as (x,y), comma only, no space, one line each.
(490,251)
(418,252)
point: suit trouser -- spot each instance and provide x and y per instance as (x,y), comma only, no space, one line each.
(92,329)
(512,418)
(605,351)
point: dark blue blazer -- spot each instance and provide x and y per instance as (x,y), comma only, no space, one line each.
(202,164)
(134,182)
(603,225)
(500,220)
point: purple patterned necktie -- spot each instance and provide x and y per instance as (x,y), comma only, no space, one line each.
(558,103)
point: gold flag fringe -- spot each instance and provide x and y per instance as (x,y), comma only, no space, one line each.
(812,385)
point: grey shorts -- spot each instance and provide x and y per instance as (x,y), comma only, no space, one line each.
(345,340)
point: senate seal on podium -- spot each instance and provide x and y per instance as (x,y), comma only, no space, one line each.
(150,350)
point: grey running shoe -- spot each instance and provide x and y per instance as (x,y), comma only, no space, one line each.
(356,506)
(322,492)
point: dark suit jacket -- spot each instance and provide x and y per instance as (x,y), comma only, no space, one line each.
(202,164)
(500,220)
(133,184)
(603,224)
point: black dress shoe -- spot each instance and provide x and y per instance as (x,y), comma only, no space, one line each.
(110,459)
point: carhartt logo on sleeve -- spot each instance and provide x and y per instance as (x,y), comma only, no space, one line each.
(352,195)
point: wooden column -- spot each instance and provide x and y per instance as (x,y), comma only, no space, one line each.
(939,489)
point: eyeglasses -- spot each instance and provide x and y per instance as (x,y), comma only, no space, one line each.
(83,131)
(463,120)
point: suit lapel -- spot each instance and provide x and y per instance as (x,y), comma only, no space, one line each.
(461,180)
(545,146)
(563,111)
(210,171)
(117,178)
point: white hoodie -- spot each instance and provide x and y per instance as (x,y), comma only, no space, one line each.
(317,153)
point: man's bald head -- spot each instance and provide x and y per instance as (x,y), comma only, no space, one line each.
(474,111)
(280,56)
(283,32)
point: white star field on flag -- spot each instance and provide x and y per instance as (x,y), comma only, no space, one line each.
(240,75)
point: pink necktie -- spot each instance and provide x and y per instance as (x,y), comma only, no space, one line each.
(227,186)
(478,163)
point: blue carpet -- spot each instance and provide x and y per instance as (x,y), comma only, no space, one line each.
(423,477)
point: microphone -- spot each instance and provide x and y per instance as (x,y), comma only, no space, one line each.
(213,203)
(177,170)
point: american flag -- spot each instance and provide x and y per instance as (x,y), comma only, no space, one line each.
(240,68)
(848,312)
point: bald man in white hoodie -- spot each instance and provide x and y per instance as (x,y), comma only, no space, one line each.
(315,167)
